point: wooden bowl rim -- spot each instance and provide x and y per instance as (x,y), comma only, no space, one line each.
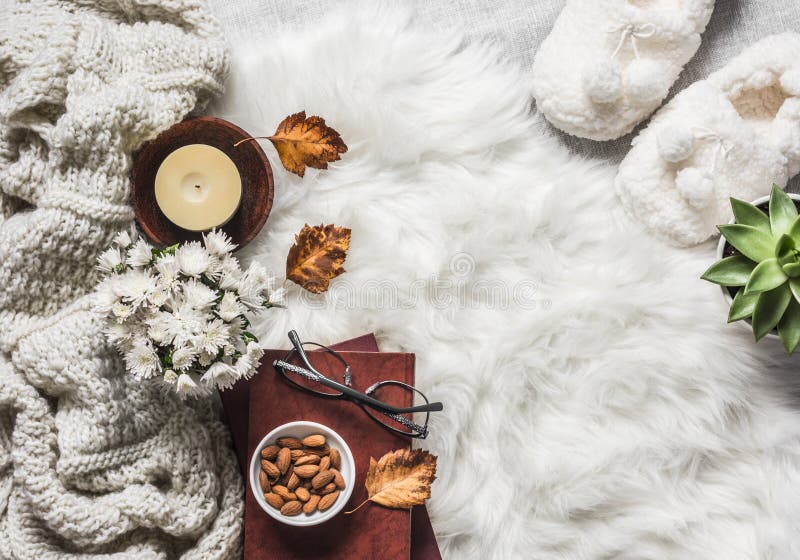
(186,127)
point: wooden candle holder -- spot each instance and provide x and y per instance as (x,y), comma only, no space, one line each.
(249,158)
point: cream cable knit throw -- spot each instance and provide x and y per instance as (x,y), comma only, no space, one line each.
(93,464)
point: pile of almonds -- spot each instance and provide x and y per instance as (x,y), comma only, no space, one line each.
(301,475)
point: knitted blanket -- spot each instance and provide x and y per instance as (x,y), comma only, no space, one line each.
(92,463)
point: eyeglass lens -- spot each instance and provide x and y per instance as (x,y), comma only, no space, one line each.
(400,395)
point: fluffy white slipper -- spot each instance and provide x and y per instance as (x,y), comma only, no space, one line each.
(733,134)
(608,64)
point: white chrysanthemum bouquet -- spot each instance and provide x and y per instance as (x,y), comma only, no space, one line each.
(179,314)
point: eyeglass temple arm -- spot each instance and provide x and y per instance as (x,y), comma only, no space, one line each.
(298,346)
(375,403)
(363,398)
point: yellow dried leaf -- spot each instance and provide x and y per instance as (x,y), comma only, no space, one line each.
(400,479)
(317,256)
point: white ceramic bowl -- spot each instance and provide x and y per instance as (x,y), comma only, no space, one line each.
(300,430)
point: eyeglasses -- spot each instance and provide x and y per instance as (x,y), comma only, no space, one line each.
(383,401)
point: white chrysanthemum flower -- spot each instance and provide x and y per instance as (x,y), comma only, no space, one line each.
(213,337)
(245,366)
(193,259)
(109,260)
(158,333)
(253,285)
(254,352)
(230,274)
(141,254)
(142,361)
(168,271)
(229,307)
(170,376)
(118,334)
(183,357)
(218,243)
(185,324)
(206,359)
(159,321)
(158,297)
(277,297)
(105,297)
(198,295)
(228,350)
(188,385)
(221,375)
(121,311)
(214,270)
(135,286)
(123,240)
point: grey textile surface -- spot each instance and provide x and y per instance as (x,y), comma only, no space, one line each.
(519,27)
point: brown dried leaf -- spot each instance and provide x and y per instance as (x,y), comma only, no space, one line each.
(317,256)
(400,479)
(302,142)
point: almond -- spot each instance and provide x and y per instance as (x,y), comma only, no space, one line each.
(290,442)
(307,460)
(292,508)
(326,501)
(294,482)
(270,452)
(270,468)
(263,481)
(325,463)
(321,479)
(338,479)
(311,504)
(321,451)
(302,494)
(284,492)
(274,500)
(336,459)
(316,440)
(284,459)
(306,471)
(297,453)
(327,489)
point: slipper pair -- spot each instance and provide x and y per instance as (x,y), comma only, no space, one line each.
(733,134)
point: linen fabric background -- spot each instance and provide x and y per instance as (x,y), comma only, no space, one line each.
(520,26)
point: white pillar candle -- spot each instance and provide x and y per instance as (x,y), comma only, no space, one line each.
(198,187)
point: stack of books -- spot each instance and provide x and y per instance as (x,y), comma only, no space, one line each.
(254,407)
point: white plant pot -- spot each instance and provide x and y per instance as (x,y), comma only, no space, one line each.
(721,250)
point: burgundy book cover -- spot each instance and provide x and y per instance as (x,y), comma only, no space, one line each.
(236,400)
(236,404)
(372,532)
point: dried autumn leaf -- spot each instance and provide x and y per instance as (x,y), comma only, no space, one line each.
(302,142)
(400,479)
(317,256)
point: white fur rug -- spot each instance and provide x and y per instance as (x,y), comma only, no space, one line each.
(597,406)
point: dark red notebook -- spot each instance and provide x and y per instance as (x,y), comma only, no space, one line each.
(236,404)
(374,531)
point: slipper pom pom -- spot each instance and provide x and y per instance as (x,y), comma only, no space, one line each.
(675,143)
(790,81)
(695,187)
(603,82)
(647,81)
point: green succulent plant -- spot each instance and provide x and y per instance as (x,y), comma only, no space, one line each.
(767,268)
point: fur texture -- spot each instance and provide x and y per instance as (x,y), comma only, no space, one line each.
(604,409)
(733,134)
(608,64)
